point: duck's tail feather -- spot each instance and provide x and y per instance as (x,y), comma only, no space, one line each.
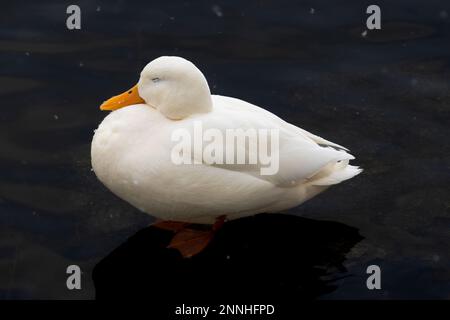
(334,173)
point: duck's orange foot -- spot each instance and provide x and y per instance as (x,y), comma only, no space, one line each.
(190,239)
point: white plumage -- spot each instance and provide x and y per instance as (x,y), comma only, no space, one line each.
(131,153)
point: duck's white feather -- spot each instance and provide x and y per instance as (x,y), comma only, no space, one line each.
(131,155)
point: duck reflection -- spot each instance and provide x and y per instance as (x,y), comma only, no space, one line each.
(268,256)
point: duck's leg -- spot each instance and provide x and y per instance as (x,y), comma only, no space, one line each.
(190,241)
(174,226)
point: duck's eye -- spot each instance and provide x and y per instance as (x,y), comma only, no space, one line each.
(155,79)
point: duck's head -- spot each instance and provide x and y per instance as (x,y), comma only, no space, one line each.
(172,85)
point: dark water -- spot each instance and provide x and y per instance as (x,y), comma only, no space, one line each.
(385,95)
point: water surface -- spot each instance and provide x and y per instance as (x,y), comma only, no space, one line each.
(384,95)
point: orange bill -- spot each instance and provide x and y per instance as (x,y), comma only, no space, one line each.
(122,100)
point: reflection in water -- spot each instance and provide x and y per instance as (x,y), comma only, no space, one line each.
(267,256)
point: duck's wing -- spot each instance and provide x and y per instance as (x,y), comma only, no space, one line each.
(301,154)
(243,105)
(319,140)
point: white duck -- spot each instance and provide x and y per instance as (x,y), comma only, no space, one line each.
(131,151)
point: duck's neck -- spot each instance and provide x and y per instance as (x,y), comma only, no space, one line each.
(187,101)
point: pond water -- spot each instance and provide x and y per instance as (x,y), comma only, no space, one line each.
(383,94)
